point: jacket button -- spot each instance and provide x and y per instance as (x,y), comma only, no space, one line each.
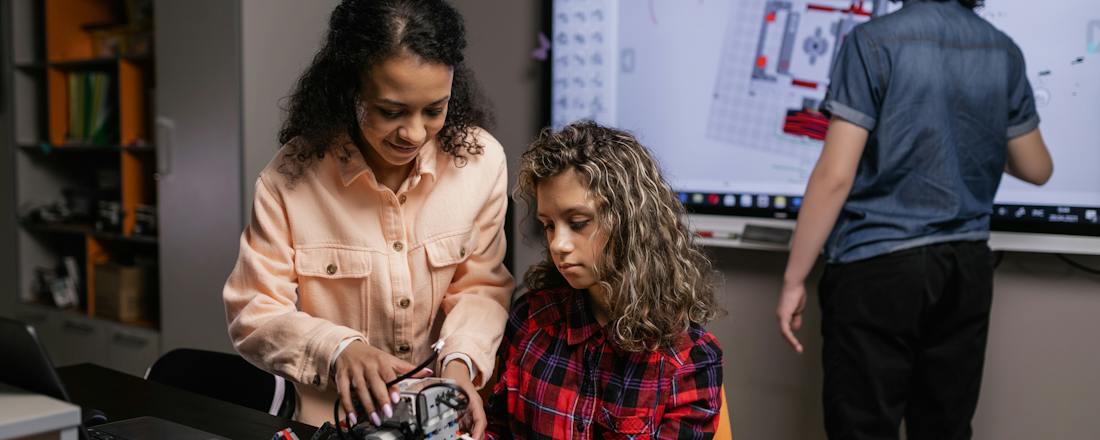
(402,199)
(397,246)
(331,269)
(317,379)
(404,303)
(403,348)
(462,252)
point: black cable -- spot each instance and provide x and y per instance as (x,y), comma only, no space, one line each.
(411,373)
(998,256)
(336,420)
(1077,265)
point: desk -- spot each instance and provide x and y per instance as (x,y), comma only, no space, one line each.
(122,396)
(24,414)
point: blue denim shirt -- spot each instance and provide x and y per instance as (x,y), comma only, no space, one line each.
(941,91)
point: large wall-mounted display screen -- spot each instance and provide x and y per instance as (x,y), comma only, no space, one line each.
(726,95)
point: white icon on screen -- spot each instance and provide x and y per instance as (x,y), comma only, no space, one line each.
(762,201)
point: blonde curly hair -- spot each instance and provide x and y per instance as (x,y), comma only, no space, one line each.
(658,280)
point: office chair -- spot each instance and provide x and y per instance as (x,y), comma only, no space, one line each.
(725,431)
(225,377)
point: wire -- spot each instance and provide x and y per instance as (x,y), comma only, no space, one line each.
(436,348)
(998,256)
(420,399)
(336,420)
(1078,265)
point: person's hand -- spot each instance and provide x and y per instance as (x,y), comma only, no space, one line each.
(474,421)
(361,373)
(792,301)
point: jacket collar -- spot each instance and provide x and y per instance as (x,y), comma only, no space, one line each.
(356,165)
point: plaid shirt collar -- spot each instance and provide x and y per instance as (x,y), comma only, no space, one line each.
(582,324)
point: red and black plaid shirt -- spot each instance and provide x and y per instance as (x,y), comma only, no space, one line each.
(563,378)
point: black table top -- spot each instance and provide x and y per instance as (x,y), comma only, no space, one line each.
(122,396)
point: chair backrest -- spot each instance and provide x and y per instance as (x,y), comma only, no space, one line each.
(725,431)
(225,377)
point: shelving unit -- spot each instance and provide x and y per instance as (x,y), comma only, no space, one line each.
(52,49)
(189,165)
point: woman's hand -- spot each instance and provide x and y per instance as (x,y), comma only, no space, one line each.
(474,422)
(362,372)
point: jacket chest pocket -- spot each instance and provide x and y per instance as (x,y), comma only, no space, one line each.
(333,281)
(445,252)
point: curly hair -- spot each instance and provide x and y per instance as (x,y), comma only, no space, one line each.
(362,33)
(658,279)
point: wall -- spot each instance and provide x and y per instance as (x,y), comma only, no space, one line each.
(279,39)
(198,75)
(1041,365)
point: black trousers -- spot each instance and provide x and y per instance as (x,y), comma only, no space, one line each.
(904,338)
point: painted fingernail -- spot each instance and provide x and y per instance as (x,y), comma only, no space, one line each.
(395,397)
(354,420)
(387,410)
(430,371)
(374,418)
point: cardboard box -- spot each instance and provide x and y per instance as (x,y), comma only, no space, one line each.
(120,292)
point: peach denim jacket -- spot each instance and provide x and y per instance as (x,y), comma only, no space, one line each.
(337,255)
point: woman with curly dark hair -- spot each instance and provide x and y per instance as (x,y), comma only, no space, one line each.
(378,227)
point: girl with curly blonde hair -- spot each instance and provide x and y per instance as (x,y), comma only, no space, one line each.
(609,338)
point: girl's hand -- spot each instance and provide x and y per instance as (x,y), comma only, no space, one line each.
(361,373)
(474,422)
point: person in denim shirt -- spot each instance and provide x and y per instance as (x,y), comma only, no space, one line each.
(928,106)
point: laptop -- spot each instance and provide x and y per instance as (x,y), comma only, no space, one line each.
(27,366)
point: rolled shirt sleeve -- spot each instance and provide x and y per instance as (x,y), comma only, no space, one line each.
(856,83)
(1022,116)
